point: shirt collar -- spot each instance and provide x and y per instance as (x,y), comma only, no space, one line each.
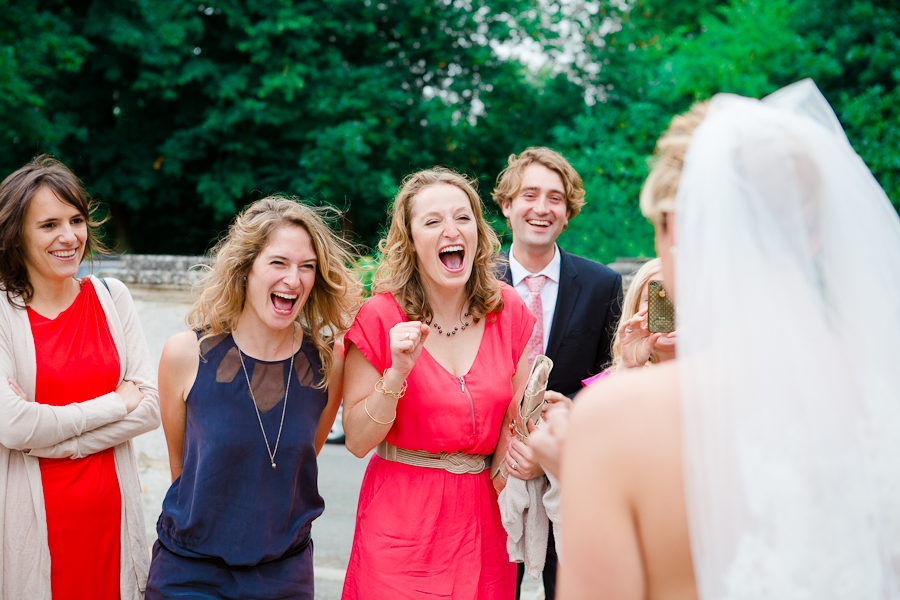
(518,272)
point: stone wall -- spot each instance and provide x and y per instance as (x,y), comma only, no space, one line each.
(627,267)
(165,271)
(181,272)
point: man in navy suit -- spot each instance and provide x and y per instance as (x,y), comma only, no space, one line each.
(577,301)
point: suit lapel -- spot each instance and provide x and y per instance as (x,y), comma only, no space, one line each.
(569,289)
(503,272)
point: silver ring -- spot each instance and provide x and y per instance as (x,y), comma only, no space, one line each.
(628,330)
(407,337)
(515,465)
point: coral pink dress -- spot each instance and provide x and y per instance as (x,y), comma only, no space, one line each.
(427,533)
(77,361)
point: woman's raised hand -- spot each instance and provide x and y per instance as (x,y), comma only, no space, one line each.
(407,341)
(637,341)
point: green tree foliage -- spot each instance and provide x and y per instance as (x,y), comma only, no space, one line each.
(36,47)
(864,38)
(179,113)
(663,56)
(176,114)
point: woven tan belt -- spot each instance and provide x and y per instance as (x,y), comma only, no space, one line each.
(457,463)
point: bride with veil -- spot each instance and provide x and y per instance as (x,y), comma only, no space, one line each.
(764,463)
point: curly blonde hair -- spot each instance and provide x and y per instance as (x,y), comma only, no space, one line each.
(510,179)
(398,273)
(332,302)
(658,192)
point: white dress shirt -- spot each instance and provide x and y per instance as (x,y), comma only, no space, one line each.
(549,292)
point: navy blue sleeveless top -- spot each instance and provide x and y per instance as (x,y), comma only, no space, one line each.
(229,503)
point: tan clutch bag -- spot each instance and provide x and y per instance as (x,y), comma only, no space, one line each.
(526,404)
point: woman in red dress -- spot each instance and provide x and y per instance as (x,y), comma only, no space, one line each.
(432,363)
(72,521)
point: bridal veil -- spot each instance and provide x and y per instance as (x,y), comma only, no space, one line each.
(788,285)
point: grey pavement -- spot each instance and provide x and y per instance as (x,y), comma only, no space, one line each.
(162,314)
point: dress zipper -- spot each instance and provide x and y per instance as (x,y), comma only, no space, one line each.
(462,383)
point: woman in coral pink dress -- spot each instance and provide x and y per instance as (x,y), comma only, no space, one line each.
(432,363)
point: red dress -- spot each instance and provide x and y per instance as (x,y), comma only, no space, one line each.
(428,533)
(77,361)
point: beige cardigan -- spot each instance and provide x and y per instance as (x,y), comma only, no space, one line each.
(29,430)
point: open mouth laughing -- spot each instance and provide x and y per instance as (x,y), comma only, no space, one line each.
(452,257)
(282,302)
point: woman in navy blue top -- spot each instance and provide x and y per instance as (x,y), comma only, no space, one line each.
(248,396)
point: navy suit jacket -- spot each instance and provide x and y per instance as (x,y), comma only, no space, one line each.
(584,322)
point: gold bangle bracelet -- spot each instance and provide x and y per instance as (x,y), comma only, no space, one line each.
(387,392)
(366,406)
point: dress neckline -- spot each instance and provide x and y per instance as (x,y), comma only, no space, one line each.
(267,362)
(35,315)
(431,356)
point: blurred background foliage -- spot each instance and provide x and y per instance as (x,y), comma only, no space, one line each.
(176,114)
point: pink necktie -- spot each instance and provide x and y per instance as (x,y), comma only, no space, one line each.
(536,341)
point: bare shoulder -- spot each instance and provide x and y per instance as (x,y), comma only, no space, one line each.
(178,368)
(181,354)
(621,432)
(626,433)
(630,397)
(182,345)
(629,419)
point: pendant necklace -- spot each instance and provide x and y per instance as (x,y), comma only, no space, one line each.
(287,388)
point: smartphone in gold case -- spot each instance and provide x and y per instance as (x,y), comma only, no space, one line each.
(660,312)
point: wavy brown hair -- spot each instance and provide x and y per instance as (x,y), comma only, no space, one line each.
(335,295)
(510,179)
(16,193)
(398,273)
